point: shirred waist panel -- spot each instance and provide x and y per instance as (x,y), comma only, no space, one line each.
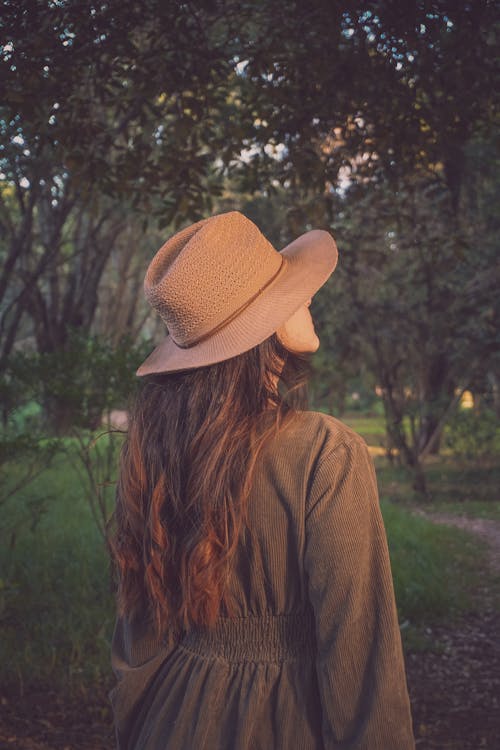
(269,638)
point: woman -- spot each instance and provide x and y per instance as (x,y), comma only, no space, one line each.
(255,602)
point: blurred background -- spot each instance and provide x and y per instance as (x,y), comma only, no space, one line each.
(122,122)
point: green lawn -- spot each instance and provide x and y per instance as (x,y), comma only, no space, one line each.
(56,603)
(463,488)
(371,428)
(434,567)
(467,490)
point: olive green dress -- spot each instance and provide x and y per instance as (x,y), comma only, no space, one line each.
(313,658)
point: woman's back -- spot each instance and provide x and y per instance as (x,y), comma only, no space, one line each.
(309,655)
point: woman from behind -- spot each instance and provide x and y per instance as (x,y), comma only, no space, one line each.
(255,600)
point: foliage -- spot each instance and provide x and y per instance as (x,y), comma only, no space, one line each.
(59,393)
(23,457)
(56,606)
(147,107)
(70,391)
(368,87)
(374,123)
(474,434)
(113,121)
(126,97)
(414,307)
(78,385)
(24,454)
(94,458)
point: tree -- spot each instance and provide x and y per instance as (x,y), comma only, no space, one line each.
(144,110)
(371,88)
(393,99)
(415,305)
(114,115)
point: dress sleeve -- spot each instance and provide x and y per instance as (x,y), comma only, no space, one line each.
(136,656)
(359,661)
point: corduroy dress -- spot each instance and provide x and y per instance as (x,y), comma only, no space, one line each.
(313,659)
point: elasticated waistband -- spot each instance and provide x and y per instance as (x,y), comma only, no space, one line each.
(270,638)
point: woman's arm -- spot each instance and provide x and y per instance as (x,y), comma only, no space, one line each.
(359,664)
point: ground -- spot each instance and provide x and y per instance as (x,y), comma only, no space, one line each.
(44,720)
(455,693)
(454,688)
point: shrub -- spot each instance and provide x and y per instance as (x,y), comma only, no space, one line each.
(473,435)
(73,387)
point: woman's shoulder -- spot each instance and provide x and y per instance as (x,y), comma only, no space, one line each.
(329,430)
(308,437)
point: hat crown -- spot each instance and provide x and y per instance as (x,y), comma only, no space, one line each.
(203,275)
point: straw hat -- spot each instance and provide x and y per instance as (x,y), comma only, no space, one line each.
(221,288)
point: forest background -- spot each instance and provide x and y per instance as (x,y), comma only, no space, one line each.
(122,122)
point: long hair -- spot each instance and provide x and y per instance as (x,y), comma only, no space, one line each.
(185,475)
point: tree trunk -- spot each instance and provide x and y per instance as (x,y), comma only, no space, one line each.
(419,480)
(430,430)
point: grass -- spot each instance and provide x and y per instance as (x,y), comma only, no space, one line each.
(56,605)
(438,571)
(471,490)
(469,509)
(466,490)
(460,487)
(371,428)
(434,567)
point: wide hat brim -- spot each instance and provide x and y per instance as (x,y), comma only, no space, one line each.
(308,261)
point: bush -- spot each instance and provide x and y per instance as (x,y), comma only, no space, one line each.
(73,387)
(23,458)
(56,601)
(473,435)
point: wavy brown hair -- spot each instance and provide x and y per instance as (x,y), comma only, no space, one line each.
(185,475)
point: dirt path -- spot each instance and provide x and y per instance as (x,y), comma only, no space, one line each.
(455,689)
(45,720)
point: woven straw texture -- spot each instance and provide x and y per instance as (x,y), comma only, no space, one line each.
(221,289)
(204,274)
